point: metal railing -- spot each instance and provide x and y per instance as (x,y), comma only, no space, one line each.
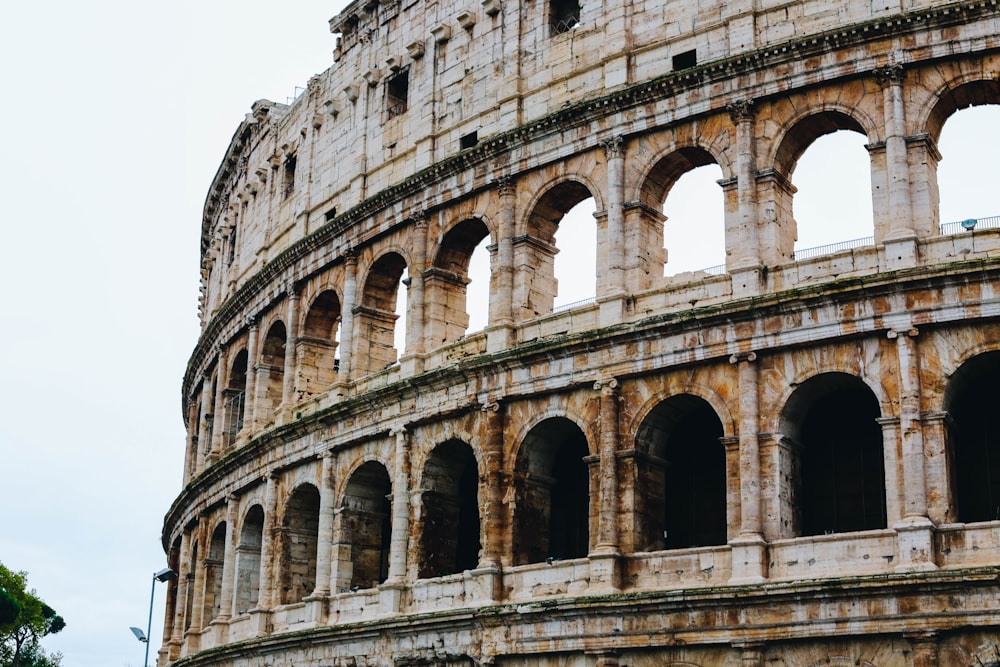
(805,253)
(970,224)
(570,306)
(232,410)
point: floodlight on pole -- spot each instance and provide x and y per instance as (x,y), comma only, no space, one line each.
(166,574)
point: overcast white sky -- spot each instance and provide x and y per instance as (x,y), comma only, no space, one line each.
(116,117)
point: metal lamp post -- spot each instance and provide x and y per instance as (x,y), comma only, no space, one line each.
(166,574)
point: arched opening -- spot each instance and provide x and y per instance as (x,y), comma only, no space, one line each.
(552,510)
(234,400)
(449,530)
(248,561)
(174,589)
(364,528)
(454,294)
(685,186)
(838,164)
(383,302)
(189,578)
(318,356)
(694,234)
(562,222)
(271,369)
(683,482)
(575,264)
(213,573)
(964,123)
(974,437)
(838,477)
(833,201)
(299,541)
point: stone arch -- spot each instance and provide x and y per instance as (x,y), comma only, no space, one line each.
(837,471)
(299,543)
(234,398)
(363,525)
(536,284)
(681,475)
(214,559)
(189,585)
(449,523)
(973,438)
(954,96)
(376,312)
(798,133)
(655,186)
(271,369)
(552,491)
(446,281)
(316,348)
(672,387)
(248,553)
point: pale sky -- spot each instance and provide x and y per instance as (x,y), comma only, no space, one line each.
(117,115)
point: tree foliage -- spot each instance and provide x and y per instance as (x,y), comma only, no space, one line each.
(24,620)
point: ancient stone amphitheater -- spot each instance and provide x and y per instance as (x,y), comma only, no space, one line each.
(791,460)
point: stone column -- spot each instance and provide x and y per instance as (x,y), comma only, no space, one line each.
(499,334)
(751,653)
(198,598)
(266,590)
(288,395)
(749,557)
(915,531)
(747,243)
(900,240)
(415,317)
(399,536)
(205,430)
(324,541)
(229,558)
(250,387)
(492,530)
(614,272)
(605,570)
(347,315)
(180,603)
(220,410)
(925,647)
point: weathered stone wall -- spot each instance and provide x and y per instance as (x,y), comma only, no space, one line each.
(773,464)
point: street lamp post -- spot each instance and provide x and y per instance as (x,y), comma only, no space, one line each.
(166,574)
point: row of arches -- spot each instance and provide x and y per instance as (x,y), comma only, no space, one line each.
(407,305)
(682,475)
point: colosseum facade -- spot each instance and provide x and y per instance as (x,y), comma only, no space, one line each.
(786,460)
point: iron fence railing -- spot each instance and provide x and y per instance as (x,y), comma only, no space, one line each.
(970,224)
(805,253)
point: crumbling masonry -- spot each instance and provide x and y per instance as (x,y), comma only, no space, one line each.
(790,461)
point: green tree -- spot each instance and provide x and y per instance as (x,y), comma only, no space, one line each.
(21,632)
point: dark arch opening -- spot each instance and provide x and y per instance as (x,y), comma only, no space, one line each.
(213,573)
(974,437)
(566,209)
(318,358)
(553,508)
(365,526)
(248,561)
(271,370)
(832,418)
(234,400)
(450,311)
(449,534)
(378,314)
(299,542)
(684,482)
